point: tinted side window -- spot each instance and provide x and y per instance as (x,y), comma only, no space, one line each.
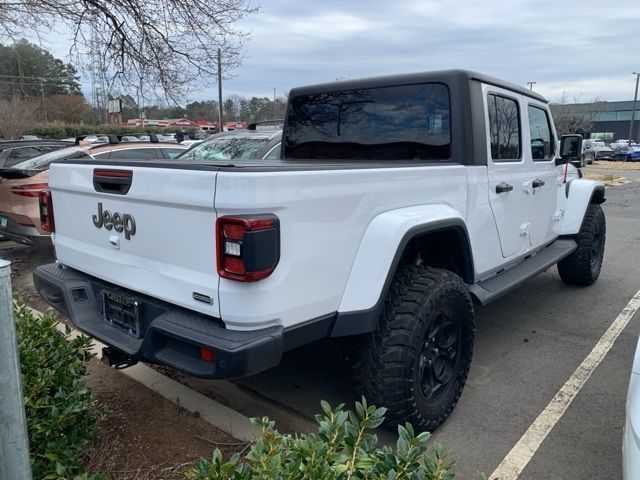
(541,142)
(388,123)
(504,128)
(274,153)
(172,152)
(134,154)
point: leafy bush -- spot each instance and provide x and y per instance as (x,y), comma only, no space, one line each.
(62,410)
(71,130)
(343,448)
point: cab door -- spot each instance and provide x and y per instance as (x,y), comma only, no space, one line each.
(507,168)
(543,179)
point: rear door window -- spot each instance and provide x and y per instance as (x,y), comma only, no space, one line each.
(408,122)
(504,128)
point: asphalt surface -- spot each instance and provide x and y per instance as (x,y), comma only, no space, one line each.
(527,345)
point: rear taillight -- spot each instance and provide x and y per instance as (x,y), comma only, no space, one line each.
(29,189)
(248,247)
(46,212)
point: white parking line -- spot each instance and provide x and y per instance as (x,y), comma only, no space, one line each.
(517,459)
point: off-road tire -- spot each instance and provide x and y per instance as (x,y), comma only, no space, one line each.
(387,364)
(583,266)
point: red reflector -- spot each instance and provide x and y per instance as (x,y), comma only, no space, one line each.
(233,231)
(234,265)
(207,354)
(113,173)
(29,189)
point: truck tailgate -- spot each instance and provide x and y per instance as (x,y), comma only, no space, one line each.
(171,253)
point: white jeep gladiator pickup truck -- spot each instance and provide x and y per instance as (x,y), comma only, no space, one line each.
(397,205)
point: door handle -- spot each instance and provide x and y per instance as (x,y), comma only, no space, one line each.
(503,187)
(537,183)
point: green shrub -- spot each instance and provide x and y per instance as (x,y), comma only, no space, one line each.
(343,448)
(72,130)
(62,410)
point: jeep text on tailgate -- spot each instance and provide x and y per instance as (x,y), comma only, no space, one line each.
(398,204)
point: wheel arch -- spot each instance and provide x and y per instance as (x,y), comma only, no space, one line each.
(359,313)
(579,193)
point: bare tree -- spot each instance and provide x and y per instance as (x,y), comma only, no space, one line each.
(572,115)
(16,117)
(172,42)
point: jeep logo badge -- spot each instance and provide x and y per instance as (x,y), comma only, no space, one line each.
(117,221)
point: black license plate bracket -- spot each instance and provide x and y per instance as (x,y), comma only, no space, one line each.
(121,312)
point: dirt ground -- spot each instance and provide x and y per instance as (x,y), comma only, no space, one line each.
(145,437)
(616,165)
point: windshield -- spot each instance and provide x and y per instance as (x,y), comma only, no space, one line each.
(226,148)
(43,161)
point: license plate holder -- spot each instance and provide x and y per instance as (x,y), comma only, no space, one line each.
(121,312)
(3,221)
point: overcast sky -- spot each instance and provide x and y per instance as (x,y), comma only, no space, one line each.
(585,48)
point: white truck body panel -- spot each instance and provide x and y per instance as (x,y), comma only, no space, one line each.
(172,253)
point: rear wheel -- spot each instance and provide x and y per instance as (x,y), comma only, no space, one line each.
(416,362)
(583,266)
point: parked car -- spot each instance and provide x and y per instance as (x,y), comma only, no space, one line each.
(631,433)
(237,144)
(618,144)
(20,186)
(628,154)
(588,152)
(14,152)
(604,153)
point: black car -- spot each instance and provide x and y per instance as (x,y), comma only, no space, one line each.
(14,152)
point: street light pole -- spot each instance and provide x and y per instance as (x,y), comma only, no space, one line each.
(633,112)
(220,90)
(531,84)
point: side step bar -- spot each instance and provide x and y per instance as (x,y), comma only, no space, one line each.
(487,291)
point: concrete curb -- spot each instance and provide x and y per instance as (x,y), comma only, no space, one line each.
(218,415)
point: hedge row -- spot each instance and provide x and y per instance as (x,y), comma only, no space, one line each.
(67,131)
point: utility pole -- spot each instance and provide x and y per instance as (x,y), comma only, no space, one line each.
(531,84)
(274,103)
(14,441)
(633,112)
(220,89)
(44,106)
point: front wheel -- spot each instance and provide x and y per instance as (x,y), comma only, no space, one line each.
(583,266)
(417,360)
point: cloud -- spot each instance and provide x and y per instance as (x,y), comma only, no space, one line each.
(582,47)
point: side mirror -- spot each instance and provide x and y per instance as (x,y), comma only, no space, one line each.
(570,149)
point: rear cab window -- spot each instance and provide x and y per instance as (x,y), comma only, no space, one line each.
(407,122)
(504,128)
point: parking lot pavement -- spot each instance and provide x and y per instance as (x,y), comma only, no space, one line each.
(528,344)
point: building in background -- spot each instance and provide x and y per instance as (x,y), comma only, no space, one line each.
(606,120)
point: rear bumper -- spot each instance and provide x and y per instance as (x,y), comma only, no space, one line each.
(169,335)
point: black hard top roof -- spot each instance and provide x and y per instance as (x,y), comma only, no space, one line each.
(443,76)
